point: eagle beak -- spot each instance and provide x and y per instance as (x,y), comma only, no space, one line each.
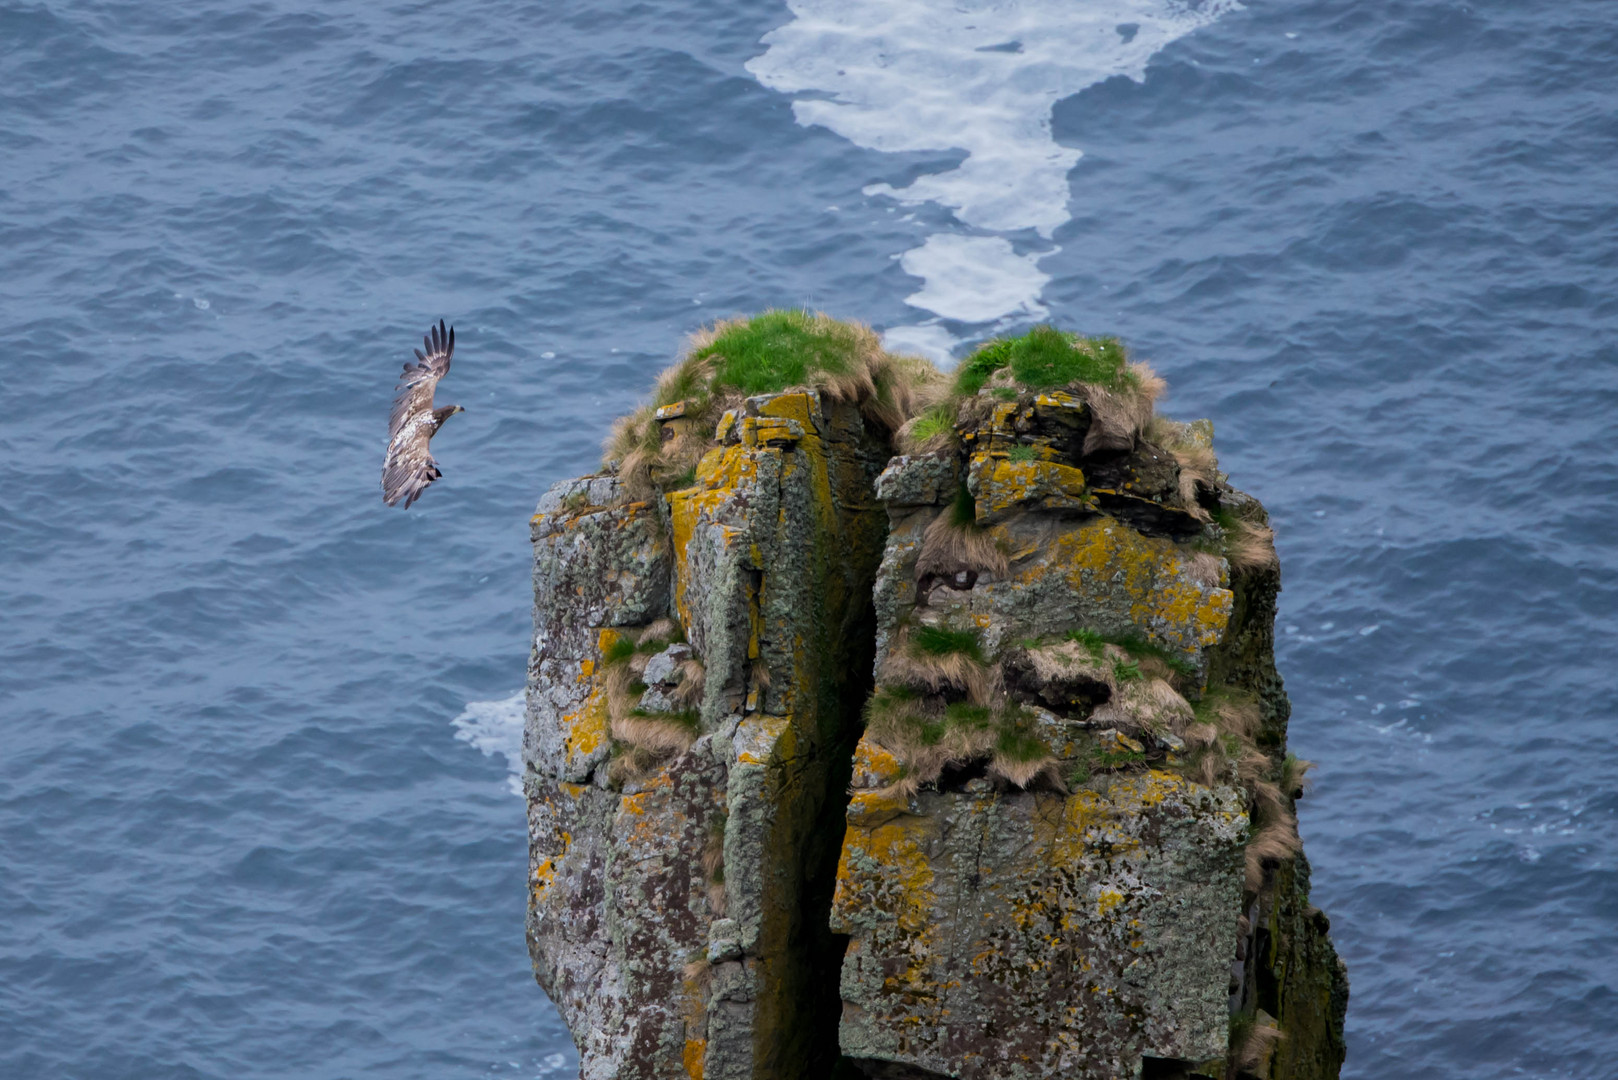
(460,408)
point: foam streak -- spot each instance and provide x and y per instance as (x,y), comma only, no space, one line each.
(495,727)
(980,76)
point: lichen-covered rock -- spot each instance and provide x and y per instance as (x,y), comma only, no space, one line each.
(969,762)
(1003,488)
(1043,935)
(683,861)
(1066,854)
(918,480)
(1091,572)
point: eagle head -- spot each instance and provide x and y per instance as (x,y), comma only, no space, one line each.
(440,415)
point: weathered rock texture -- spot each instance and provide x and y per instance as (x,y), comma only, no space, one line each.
(1063,845)
(1103,919)
(660,966)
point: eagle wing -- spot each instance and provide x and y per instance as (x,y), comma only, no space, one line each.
(409,466)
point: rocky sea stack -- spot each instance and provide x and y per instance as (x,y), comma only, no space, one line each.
(889,723)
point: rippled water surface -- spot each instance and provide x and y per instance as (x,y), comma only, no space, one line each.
(255,819)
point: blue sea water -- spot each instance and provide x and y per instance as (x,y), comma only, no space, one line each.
(246,829)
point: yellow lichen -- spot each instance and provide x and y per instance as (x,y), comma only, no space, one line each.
(545,870)
(692,1057)
(587,728)
(1003,484)
(1168,601)
(905,872)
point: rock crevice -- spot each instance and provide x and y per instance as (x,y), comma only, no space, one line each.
(764,565)
(966,760)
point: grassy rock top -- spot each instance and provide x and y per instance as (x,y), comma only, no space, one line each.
(657,447)
(1044,358)
(1035,648)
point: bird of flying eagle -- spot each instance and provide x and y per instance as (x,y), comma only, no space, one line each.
(409,467)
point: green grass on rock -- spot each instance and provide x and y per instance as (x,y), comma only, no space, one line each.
(770,352)
(1046,357)
(939,641)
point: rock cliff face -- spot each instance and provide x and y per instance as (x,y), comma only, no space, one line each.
(967,761)
(678,913)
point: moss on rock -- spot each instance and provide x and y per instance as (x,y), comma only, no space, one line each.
(1000,714)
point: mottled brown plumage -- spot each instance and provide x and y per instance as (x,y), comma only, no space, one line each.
(410,467)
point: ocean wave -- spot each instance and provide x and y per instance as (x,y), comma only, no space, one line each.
(495,728)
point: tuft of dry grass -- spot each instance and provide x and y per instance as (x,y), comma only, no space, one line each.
(1232,712)
(1021,757)
(1274,833)
(927,739)
(630,763)
(1143,695)
(908,666)
(699,973)
(1066,660)
(1295,779)
(1197,462)
(1119,416)
(905,386)
(623,687)
(1267,799)
(904,788)
(1144,704)
(1252,764)
(693,677)
(659,632)
(891,711)
(1161,706)
(1207,569)
(1222,740)
(659,735)
(948,547)
(1211,767)
(632,445)
(1045,771)
(1199,470)
(1251,547)
(926,762)
(642,741)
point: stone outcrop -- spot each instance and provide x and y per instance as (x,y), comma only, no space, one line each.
(967,761)
(677,915)
(1089,922)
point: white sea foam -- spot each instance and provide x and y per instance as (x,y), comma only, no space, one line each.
(975,279)
(973,75)
(495,727)
(925,339)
